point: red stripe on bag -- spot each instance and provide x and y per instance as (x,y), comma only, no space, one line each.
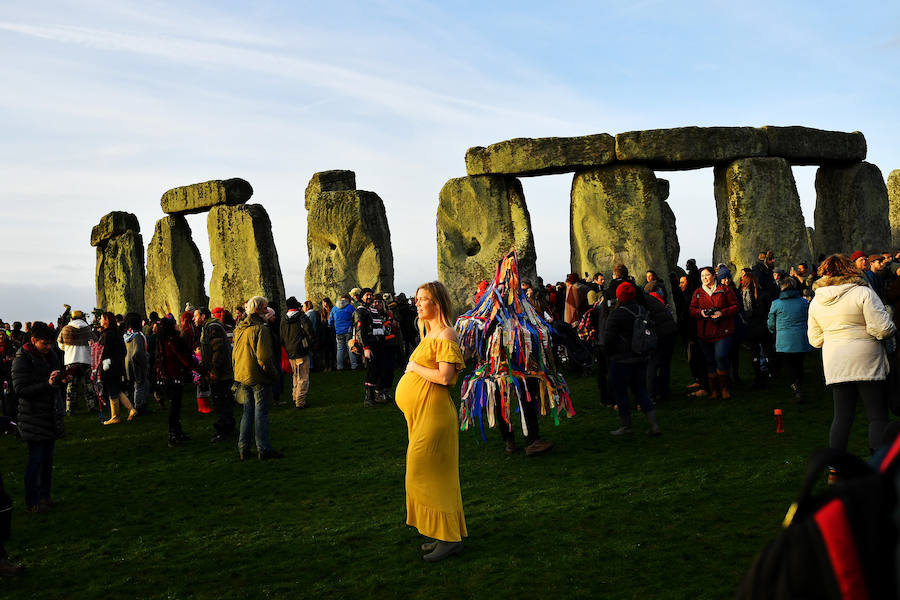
(891,455)
(832,522)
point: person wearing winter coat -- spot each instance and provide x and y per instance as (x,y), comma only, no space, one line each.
(7,354)
(659,366)
(173,363)
(37,377)
(848,321)
(137,362)
(714,306)
(112,368)
(787,320)
(215,360)
(256,370)
(75,341)
(297,335)
(627,370)
(341,319)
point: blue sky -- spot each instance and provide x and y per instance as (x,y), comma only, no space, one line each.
(106,105)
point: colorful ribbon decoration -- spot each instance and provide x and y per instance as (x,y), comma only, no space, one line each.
(511,344)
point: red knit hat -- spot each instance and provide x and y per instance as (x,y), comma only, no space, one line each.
(856,255)
(626,292)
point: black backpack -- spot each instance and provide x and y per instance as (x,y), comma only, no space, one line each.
(643,332)
(841,544)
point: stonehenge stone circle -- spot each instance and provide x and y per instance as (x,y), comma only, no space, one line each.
(758,209)
(348,238)
(851,209)
(120,263)
(174,268)
(617,216)
(244,258)
(479,220)
(541,156)
(893,188)
(200,197)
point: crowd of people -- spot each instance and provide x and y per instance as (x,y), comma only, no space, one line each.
(846,305)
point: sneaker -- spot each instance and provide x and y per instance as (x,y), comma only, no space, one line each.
(269,454)
(442,550)
(538,446)
(8,569)
(510,446)
(621,431)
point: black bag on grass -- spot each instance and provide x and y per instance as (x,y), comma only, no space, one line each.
(841,544)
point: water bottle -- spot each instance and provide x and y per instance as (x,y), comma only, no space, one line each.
(779,423)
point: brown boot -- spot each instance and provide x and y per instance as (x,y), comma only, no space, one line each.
(714,386)
(724,385)
(114,411)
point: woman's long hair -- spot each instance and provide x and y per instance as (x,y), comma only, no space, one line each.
(838,265)
(441,298)
(325,311)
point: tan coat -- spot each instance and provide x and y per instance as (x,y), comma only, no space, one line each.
(847,320)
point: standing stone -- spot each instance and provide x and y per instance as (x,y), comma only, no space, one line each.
(244,258)
(617,216)
(348,242)
(893,188)
(851,209)
(811,241)
(479,220)
(758,209)
(174,268)
(200,197)
(120,263)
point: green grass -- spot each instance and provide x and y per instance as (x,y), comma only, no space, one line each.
(680,516)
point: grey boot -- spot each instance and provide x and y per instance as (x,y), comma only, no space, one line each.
(625,429)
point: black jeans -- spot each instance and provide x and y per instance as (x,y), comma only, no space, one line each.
(792,362)
(529,413)
(659,368)
(174,392)
(875,402)
(223,404)
(38,471)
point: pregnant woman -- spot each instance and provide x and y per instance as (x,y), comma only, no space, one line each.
(433,497)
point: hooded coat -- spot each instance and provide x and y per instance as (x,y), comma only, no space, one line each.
(847,320)
(253,358)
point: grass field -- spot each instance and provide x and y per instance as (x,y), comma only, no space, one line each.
(680,516)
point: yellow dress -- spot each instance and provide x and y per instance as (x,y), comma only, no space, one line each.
(433,497)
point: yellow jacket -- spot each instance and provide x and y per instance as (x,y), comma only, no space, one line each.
(253,356)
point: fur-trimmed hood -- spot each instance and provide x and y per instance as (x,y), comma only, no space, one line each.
(830,289)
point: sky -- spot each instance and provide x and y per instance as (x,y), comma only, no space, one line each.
(105,105)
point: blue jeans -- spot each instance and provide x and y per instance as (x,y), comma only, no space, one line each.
(256,400)
(716,354)
(38,472)
(623,376)
(342,350)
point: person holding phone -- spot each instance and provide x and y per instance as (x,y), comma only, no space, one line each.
(713,307)
(37,377)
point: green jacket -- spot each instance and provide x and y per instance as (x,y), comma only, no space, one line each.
(253,359)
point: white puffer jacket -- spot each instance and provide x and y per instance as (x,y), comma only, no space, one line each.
(848,320)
